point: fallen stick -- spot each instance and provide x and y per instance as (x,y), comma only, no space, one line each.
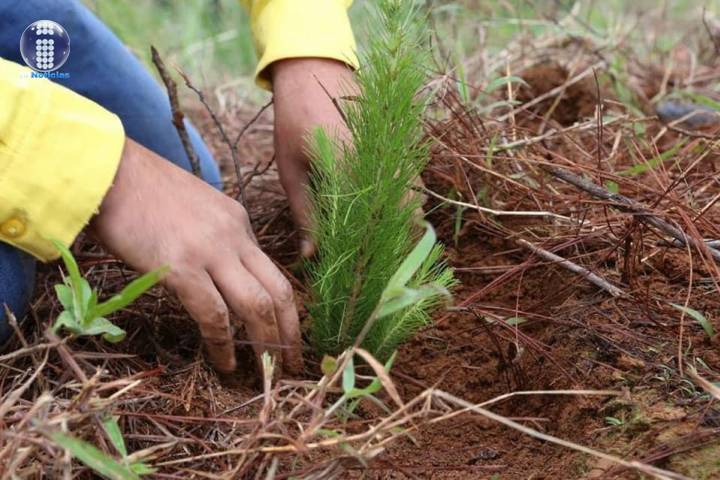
(499,213)
(573,267)
(178,117)
(678,244)
(218,124)
(626,204)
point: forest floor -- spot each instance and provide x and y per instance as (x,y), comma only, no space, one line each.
(520,322)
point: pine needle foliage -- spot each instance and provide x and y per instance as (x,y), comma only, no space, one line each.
(365,221)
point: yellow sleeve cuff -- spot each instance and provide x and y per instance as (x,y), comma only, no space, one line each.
(300,28)
(58,156)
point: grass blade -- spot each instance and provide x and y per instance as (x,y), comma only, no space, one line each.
(698,317)
(93,458)
(653,162)
(112,429)
(412,262)
(409,296)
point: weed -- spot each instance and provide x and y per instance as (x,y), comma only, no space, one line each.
(615,422)
(99,461)
(651,164)
(82,314)
(353,395)
(698,317)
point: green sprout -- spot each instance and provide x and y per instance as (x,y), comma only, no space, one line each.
(82,314)
(698,317)
(99,461)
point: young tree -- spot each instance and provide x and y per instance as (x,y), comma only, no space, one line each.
(366,224)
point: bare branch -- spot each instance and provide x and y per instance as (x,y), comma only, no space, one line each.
(628,205)
(232,147)
(178,118)
(573,267)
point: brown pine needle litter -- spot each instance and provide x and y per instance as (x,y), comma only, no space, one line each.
(535,370)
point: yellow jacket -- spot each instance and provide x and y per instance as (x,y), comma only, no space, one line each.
(59,151)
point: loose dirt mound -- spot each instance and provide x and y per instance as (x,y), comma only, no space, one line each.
(577,102)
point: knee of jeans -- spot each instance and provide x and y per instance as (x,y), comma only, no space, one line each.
(17,282)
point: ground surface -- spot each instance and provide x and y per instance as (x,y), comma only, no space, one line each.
(520,322)
(572,335)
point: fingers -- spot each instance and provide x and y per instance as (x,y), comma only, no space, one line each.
(283,298)
(205,305)
(299,208)
(294,179)
(252,303)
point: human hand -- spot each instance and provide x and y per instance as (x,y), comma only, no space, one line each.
(303,89)
(157,214)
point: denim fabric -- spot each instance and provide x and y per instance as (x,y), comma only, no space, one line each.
(17,277)
(102,69)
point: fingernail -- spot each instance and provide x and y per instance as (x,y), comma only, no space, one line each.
(307,248)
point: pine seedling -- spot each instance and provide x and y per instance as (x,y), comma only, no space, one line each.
(369,277)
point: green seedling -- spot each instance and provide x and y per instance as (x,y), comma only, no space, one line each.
(82,314)
(515,321)
(653,162)
(698,317)
(495,84)
(612,187)
(491,152)
(99,461)
(372,279)
(614,422)
(352,394)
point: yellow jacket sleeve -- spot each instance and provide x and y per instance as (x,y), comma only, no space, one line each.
(58,156)
(300,28)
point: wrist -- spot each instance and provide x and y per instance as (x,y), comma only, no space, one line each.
(302,70)
(136,164)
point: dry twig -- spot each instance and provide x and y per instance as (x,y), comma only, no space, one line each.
(218,124)
(625,204)
(178,117)
(573,267)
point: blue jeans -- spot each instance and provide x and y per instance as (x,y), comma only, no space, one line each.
(102,69)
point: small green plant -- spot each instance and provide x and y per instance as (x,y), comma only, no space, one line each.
(352,394)
(82,314)
(698,317)
(365,221)
(99,461)
(647,165)
(615,422)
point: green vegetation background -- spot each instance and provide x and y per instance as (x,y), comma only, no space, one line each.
(211,39)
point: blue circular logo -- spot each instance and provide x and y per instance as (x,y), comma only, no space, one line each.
(45,46)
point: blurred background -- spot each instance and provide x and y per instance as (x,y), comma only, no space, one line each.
(212,42)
